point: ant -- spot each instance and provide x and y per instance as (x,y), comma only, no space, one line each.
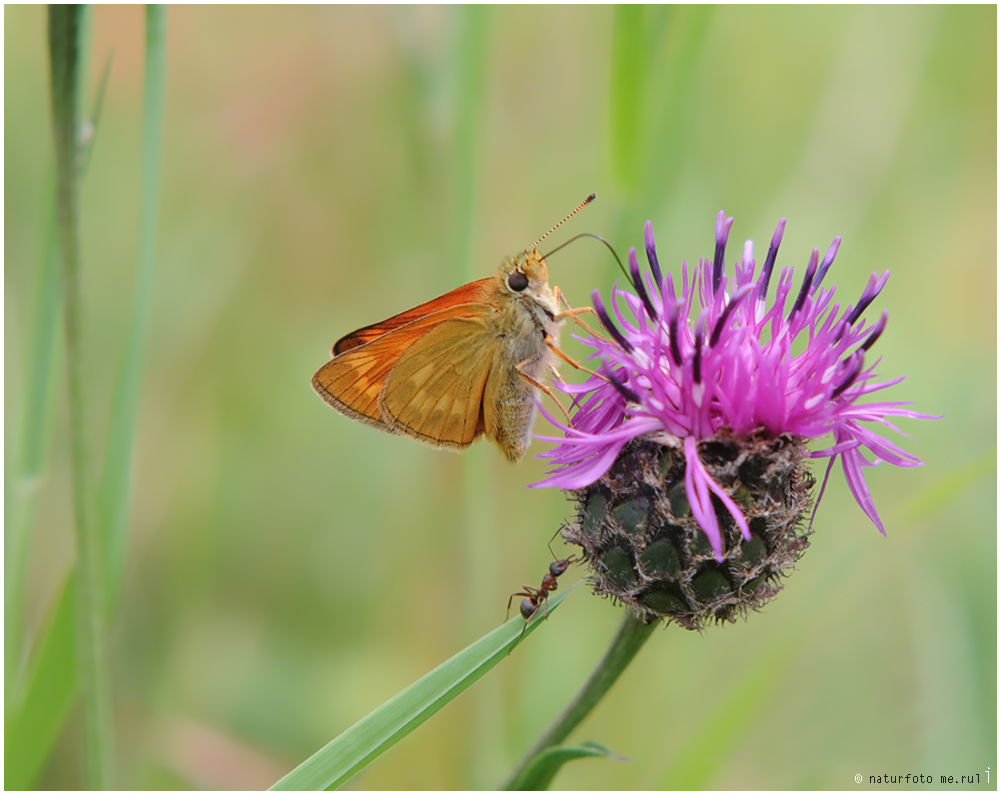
(533,597)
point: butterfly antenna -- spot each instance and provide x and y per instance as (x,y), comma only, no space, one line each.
(596,237)
(583,204)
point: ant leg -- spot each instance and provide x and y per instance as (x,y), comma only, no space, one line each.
(532,594)
(527,620)
(554,534)
(567,560)
(539,599)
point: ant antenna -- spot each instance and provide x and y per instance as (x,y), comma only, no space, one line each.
(558,532)
(583,204)
(596,237)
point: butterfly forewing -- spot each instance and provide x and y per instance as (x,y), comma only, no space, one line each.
(435,389)
(354,381)
(351,383)
(472,293)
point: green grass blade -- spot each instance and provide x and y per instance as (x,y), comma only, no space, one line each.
(545,766)
(470,99)
(39,697)
(655,54)
(627,78)
(697,760)
(22,479)
(89,132)
(365,741)
(471,64)
(669,100)
(116,479)
(65,24)
(34,725)
(43,700)
(947,489)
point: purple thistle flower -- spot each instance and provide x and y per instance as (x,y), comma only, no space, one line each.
(732,371)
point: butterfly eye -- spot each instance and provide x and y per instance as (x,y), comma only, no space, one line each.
(517,281)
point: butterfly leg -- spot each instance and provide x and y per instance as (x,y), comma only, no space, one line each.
(538,384)
(575,364)
(574,313)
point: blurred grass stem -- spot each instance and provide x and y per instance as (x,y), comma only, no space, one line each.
(22,485)
(116,478)
(65,24)
(472,25)
(631,636)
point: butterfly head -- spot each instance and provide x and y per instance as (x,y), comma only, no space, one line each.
(526,276)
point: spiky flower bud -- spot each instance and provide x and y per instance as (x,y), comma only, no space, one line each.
(646,548)
(687,453)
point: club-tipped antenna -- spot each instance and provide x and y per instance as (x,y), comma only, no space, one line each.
(596,237)
(583,204)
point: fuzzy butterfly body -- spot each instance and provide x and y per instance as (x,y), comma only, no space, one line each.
(456,368)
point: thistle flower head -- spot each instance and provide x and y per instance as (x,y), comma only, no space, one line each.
(728,387)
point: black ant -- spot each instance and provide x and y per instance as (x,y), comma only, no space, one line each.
(533,597)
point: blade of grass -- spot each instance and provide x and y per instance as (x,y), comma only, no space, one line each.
(471,64)
(45,697)
(697,759)
(50,687)
(365,741)
(22,480)
(670,85)
(546,765)
(116,479)
(88,134)
(627,78)
(655,56)
(65,24)
(40,691)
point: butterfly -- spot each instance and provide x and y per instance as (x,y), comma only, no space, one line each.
(463,366)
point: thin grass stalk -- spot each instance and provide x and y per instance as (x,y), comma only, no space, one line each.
(46,694)
(631,636)
(627,78)
(655,57)
(64,26)
(41,683)
(672,72)
(478,513)
(23,479)
(116,480)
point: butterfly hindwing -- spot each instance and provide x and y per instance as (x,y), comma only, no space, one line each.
(354,380)
(435,389)
(350,383)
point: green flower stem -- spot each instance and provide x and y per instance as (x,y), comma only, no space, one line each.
(65,23)
(632,635)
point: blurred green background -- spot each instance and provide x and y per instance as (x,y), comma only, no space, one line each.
(289,570)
